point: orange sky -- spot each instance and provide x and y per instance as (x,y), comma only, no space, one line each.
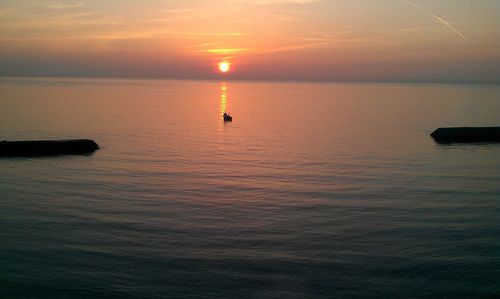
(317,40)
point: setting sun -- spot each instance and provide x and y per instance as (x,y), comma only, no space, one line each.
(224,66)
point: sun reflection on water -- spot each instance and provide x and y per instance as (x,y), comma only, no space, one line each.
(223,108)
(223,99)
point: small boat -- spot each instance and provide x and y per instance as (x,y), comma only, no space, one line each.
(227,117)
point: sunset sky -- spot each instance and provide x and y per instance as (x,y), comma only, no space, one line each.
(313,40)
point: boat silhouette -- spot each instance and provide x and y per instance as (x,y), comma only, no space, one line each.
(227,117)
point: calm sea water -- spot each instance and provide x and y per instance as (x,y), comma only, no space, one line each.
(313,191)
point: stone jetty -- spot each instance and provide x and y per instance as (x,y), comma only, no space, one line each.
(35,148)
(467,134)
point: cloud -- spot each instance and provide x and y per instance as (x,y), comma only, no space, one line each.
(267,2)
(288,1)
(65,5)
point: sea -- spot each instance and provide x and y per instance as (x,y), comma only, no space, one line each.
(314,190)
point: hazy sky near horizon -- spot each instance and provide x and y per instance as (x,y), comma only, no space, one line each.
(317,40)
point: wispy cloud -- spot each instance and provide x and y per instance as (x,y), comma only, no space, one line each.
(224,51)
(287,1)
(437,18)
(265,2)
(64,5)
(311,41)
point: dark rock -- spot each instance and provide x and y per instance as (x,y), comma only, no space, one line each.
(467,135)
(47,147)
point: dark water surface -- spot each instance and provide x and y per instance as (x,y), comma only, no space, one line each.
(313,191)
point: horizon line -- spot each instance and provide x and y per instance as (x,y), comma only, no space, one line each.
(270,80)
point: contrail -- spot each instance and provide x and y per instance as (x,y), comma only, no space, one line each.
(440,20)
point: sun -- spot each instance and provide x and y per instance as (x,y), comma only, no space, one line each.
(224,66)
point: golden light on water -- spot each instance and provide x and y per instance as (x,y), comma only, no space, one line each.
(224,66)
(223,99)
